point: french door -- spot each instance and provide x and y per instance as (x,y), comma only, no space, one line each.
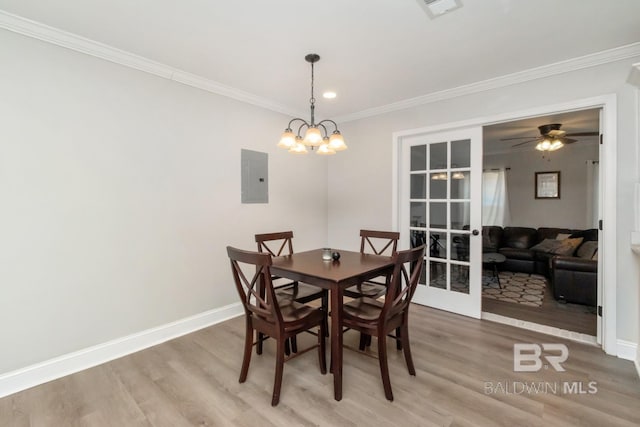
(439,205)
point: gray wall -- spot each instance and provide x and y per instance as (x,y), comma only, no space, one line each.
(120,191)
(570,211)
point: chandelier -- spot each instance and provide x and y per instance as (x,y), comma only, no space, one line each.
(316,135)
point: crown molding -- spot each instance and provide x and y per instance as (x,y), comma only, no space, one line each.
(87,46)
(574,64)
(58,37)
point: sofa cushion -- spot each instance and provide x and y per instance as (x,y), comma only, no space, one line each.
(551,233)
(587,249)
(558,247)
(491,238)
(515,253)
(590,234)
(518,237)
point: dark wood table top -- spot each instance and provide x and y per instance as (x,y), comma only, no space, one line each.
(351,268)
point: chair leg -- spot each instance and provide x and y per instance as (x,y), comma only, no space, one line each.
(277,383)
(246,359)
(294,344)
(259,339)
(384,367)
(322,351)
(407,349)
(363,341)
(287,347)
(399,340)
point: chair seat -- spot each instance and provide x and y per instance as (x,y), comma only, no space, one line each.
(366,289)
(294,312)
(304,292)
(363,308)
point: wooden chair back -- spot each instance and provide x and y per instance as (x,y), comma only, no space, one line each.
(379,242)
(275,244)
(406,274)
(251,270)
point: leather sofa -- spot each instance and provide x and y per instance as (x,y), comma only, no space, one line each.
(573,278)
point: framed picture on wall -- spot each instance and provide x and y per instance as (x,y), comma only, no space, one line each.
(548,185)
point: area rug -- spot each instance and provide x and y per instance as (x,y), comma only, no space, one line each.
(521,288)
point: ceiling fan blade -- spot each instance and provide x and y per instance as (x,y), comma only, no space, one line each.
(525,142)
(568,140)
(593,133)
(520,137)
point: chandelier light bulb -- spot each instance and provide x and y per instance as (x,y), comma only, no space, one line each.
(298,147)
(313,137)
(288,139)
(325,149)
(336,141)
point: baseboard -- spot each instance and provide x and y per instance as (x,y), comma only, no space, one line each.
(40,373)
(627,350)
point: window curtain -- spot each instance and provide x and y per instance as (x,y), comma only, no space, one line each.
(495,200)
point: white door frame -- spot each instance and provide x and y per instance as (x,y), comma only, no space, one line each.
(608,196)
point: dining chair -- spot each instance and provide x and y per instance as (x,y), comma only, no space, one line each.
(280,244)
(263,313)
(377,318)
(376,243)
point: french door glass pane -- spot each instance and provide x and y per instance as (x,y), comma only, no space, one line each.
(461,154)
(418,214)
(460,215)
(460,185)
(459,247)
(437,245)
(460,278)
(438,155)
(419,157)
(438,185)
(438,274)
(438,215)
(419,186)
(418,238)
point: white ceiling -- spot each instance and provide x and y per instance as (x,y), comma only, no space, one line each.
(374,52)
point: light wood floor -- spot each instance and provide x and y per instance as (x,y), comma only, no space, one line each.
(572,317)
(193,380)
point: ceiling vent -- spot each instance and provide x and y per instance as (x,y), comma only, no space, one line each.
(435,8)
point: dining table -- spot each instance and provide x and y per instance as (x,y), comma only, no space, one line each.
(334,275)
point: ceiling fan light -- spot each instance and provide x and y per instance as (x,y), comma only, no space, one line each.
(288,139)
(556,145)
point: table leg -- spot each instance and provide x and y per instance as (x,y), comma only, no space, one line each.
(336,341)
(496,274)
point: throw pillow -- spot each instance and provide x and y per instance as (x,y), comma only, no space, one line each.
(547,245)
(562,236)
(567,246)
(587,250)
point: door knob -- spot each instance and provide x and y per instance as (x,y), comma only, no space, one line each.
(475,232)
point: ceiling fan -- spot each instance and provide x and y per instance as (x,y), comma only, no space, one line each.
(551,137)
